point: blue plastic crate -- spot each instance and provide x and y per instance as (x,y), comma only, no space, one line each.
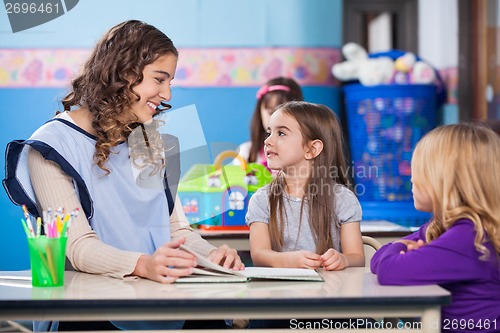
(385,122)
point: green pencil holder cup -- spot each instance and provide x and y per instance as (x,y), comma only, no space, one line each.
(47,258)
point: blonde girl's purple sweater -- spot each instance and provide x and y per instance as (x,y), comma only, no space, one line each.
(453,262)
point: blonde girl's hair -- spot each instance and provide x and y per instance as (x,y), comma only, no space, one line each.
(106,83)
(330,168)
(459,167)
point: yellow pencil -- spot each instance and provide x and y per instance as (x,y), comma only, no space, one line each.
(59,224)
(38,226)
(44,262)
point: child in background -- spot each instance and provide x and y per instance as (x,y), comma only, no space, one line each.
(456,176)
(275,92)
(307,217)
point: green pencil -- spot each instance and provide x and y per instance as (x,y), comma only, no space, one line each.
(25,227)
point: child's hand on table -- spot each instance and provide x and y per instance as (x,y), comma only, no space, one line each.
(333,260)
(303,259)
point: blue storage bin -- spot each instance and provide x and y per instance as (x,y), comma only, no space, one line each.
(385,122)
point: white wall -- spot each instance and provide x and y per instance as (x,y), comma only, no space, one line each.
(438,32)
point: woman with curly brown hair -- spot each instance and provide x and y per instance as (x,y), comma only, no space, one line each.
(85,158)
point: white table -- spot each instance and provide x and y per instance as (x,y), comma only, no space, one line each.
(352,293)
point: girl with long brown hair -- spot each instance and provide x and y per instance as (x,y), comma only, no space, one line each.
(307,217)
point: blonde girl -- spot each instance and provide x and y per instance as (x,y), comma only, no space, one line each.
(456,176)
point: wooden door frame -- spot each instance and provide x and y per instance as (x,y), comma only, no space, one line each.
(472,74)
(406,25)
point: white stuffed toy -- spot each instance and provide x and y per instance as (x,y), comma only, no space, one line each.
(358,66)
(409,70)
(381,70)
(348,70)
(423,73)
(376,71)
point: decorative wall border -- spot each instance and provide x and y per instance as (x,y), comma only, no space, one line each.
(450,79)
(21,68)
(228,67)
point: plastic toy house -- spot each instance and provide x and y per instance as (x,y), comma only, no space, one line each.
(216,198)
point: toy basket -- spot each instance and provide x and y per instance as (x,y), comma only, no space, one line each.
(385,122)
(215,197)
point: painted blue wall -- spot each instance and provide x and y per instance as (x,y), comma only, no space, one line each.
(190,23)
(22,111)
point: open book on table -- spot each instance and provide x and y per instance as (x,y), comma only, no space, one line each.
(207,271)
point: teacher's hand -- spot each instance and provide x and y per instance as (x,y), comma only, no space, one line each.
(227,257)
(166,264)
